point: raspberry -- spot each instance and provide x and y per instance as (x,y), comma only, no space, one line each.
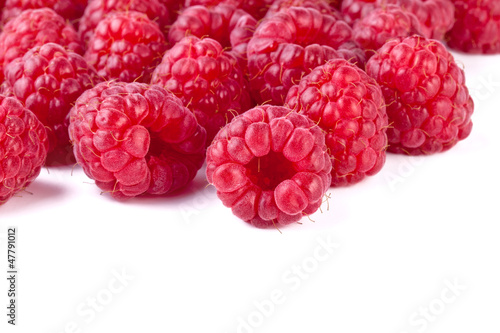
(290,44)
(97,10)
(256,8)
(349,106)
(207,79)
(48,80)
(126,46)
(428,103)
(230,26)
(270,166)
(23,147)
(135,139)
(382,24)
(435,16)
(477,27)
(320,5)
(68,9)
(35,27)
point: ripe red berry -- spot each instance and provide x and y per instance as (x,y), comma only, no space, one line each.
(428,103)
(322,6)
(126,46)
(477,26)
(207,79)
(97,10)
(290,44)
(230,26)
(48,79)
(270,166)
(135,139)
(349,107)
(436,17)
(23,147)
(256,8)
(382,24)
(68,9)
(35,27)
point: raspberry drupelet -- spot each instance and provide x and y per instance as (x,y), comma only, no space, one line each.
(270,166)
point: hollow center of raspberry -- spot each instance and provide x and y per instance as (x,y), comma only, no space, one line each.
(270,170)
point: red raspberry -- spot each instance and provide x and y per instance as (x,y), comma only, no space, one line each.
(435,16)
(135,139)
(48,80)
(349,106)
(382,24)
(97,10)
(35,27)
(322,6)
(290,44)
(256,8)
(23,147)
(477,26)
(126,46)
(68,9)
(428,103)
(207,79)
(230,26)
(270,166)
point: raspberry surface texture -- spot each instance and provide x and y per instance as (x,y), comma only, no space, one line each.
(230,26)
(436,17)
(290,44)
(428,103)
(382,24)
(23,147)
(349,107)
(97,10)
(477,27)
(207,79)
(126,46)
(270,166)
(48,79)
(134,139)
(68,9)
(35,27)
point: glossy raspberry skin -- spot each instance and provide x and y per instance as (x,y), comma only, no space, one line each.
(207,79)
(477,27)
(349,107)
(230,26)
(97,10)
(23,147)
(382,24)
(428,103)
(320,5)
(135,139)
(35,27)
(126,46)
(436,17)
(48,79)
(69,9)
(270,166)
(290,44)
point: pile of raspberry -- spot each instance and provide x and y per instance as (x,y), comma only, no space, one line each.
(280,100)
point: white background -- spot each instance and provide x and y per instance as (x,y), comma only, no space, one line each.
(398,240)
